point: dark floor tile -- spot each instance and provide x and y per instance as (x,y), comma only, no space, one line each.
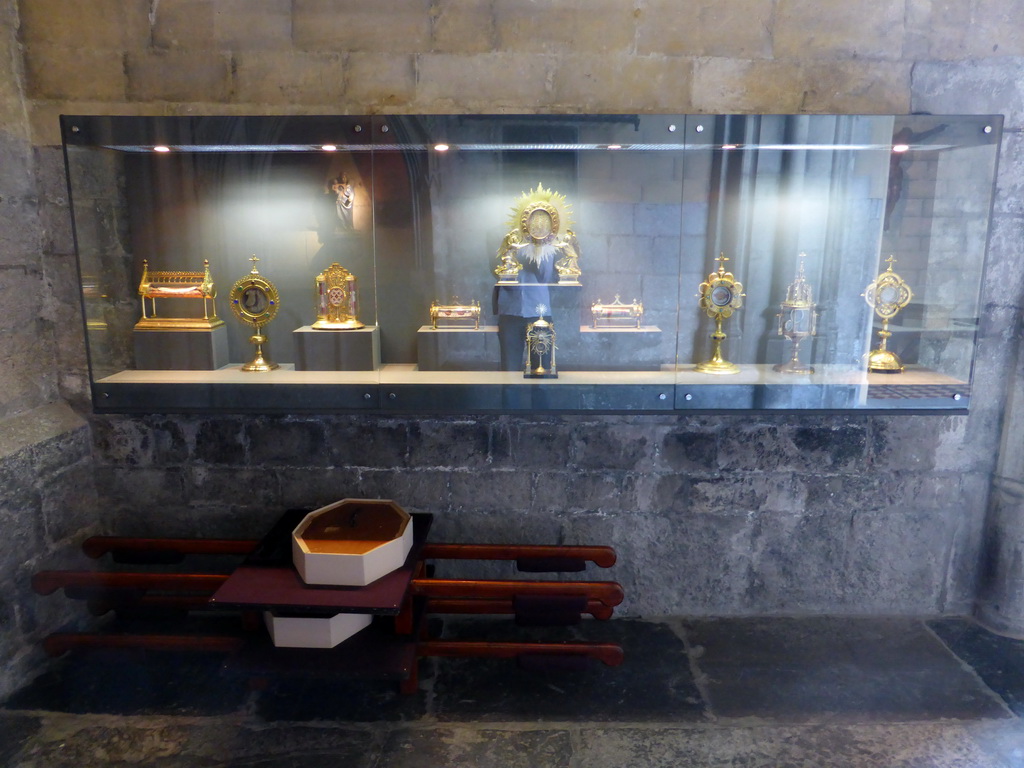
(82,744)
(482,748)
(914,745)
(848,693)
(222,743)
(298,746)
(878,643)
(339,700)
(653,683)
(999,661)
(817,670)
(133,682)
(1004,738)
(15,731)
(293,761)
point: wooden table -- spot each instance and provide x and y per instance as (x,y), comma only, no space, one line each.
(267,580)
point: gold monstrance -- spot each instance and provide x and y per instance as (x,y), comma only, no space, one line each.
(255,301)
(720,295)
(541,226)
(797,320)
(887,295)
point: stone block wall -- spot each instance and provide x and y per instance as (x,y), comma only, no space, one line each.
(47,505)
(710,514)
(713,514)
(47,495)
(272,56)
(999,601)
(27,379)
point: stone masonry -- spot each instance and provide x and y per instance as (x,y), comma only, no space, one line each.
(45,509)
(710,515)
(715,514)
(47,496)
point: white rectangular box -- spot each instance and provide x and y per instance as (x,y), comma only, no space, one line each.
(314,632)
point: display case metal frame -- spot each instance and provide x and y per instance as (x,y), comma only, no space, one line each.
(761,188)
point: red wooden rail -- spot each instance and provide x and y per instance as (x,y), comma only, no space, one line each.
(608,653)
(608,592)
(62,642)
(107,590)
(97,546)
(48,582)
(103,602)
(602,556)
(492,606)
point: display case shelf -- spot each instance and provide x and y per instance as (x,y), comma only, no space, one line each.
(396,263)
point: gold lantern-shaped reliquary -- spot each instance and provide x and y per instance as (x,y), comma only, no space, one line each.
(337,300)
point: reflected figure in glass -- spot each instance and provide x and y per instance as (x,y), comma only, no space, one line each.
(539,252)
(335,207)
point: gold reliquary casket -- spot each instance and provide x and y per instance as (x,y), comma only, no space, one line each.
(337,300)
(177,285)
(617,315)
(455,315)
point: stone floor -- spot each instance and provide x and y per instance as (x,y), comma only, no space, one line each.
(692,692)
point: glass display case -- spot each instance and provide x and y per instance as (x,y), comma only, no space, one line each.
(469,263)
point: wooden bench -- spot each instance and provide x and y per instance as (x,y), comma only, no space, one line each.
(259,581)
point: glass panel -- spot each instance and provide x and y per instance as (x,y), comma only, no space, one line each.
(499,222)
(165,207)
(531,262)
(806,212)
(105,263)
(936,225)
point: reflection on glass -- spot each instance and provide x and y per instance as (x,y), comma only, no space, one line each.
(420,213)
(798,320)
